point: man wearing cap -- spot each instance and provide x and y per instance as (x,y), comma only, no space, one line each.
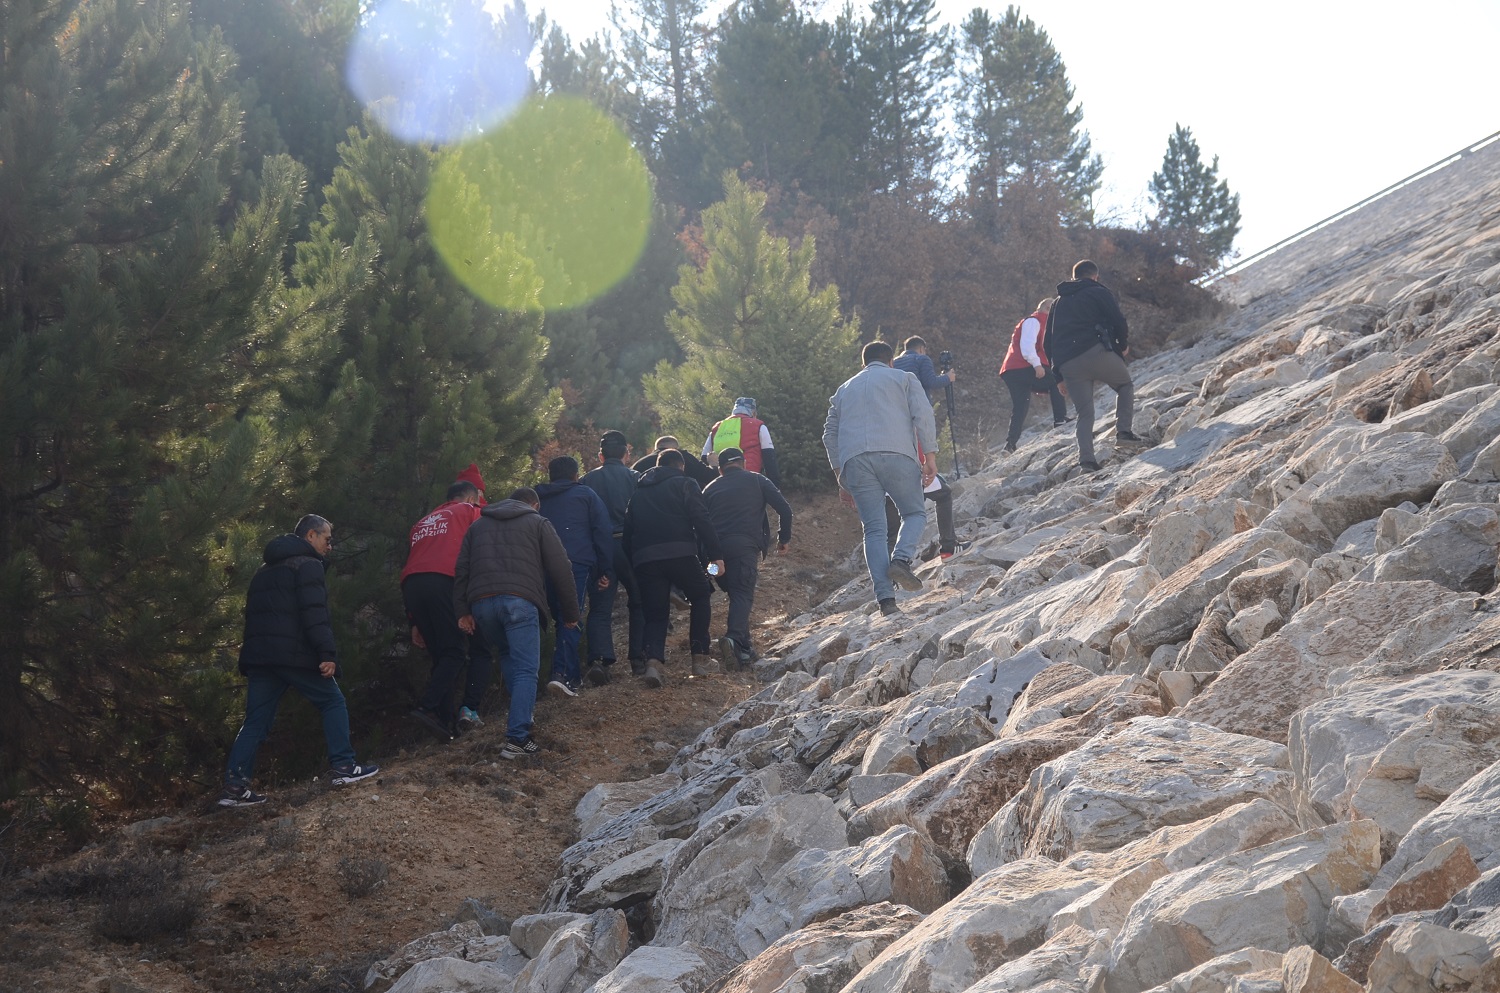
(615,484)
(748,433)
(737,503)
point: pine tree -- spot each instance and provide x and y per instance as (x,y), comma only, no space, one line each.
(1019,124)
(750,324)
(1196,213)
(907,59)
(139,341)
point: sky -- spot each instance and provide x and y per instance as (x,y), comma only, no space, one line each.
(1310,106)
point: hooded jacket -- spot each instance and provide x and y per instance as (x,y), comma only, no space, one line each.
(513,550)
(668,519)
(1084,308)
(286,610)
(581,520)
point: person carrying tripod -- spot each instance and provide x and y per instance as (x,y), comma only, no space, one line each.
(915,360)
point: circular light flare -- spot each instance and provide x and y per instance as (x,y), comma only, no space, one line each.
(556,194)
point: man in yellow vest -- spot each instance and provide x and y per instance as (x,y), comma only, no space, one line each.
(746,432)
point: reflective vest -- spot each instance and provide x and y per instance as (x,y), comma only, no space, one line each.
(1013,357)
(746,438)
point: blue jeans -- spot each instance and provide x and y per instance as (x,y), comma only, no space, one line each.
(565,665)
(870,477)
(512,625)
(267,686)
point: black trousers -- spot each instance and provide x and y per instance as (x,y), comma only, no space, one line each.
(741,573)
(656,580)
(943,498)
(602,609)
(428,598)
(1022,383)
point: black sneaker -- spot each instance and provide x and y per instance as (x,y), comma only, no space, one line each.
(638,667)
(1129,437)
(901,574)
(1010,447)
(513,749)
(343,775)
(1090,466)
(239,796)
(729,653)
(430,721)
(597,674)
(888,606)
(1065,420)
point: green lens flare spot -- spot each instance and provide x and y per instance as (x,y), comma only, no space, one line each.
(546,212)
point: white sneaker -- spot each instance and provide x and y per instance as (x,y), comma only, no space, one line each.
(559,688)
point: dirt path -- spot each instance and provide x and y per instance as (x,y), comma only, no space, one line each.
(292,894)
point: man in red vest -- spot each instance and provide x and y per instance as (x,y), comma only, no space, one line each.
(1025,371)
(744,431)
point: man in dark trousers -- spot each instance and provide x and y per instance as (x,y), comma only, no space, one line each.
(615,484)
(288,644)
(664,527)
(737,503)
(500,588)
(427,594)
(582,522)
(1089,340)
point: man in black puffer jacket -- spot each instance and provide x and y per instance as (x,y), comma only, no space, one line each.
(737,503)
(1088,341)
(288,644)
(664,526)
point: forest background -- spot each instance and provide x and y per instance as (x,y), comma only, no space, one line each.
(221,307)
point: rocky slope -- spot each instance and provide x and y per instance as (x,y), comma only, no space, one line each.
(1225,716)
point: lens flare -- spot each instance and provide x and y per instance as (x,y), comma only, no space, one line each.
(439,70)
(557,194)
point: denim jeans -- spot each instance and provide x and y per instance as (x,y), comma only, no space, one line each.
(870,477)
(565,665)
(512,625)
(267,686)
(601,631)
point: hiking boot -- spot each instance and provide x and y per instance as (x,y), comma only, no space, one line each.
(729,654)
(430,721)
(1129,437)
(343,775)
(651,675)
(239,796)
(597,674)
(888,606)
(638,667)
(559,688)
(703,665)
(901,574)
(1090,466)
(468,720)
(1010,447)
(513,749)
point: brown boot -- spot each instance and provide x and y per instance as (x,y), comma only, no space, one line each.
(703,665)
(652,676)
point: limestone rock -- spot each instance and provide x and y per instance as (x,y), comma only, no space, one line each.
(1000,917)
(649,969)
(1071,961)
(577,954)
(1104,910)
(1272,897)
(1109,791)
(1250,970)
(1252,625)
(1259,691)
(1457,551)
(1177,688)
(609,800)
(823,956)
(1425,958)
(1469,815)
(1100,701)
(1430,883)
(531,932)
(1475,429)
(1303,970)
(705,895)
(436,945)
(453,975)
(627,881)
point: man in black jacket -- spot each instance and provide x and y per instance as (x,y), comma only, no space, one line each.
(615,484)
(288,644)
(737,503)
(666,523)
(695,468)
(1088,341)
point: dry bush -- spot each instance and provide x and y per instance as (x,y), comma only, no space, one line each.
(283,835)
(142,895)
(361,875)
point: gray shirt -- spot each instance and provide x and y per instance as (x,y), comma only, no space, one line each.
(880,409)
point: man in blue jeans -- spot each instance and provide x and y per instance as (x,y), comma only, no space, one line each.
(500,583)
(288,644)
(581,520)
(881,441)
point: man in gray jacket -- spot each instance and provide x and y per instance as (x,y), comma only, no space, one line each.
(500,586)
(876,423)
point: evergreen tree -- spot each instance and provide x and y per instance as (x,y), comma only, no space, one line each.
(1195,211)
(907,60)
(750,324)
(139,340)
(1018,124)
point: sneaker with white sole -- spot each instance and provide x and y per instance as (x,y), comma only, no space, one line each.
(513,749)
(559,688)
(901,574)
(343,775)
(468,720)
(239,796)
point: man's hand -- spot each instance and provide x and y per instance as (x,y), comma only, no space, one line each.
(1125,352)
(781,548)
(466,624)
(416,637)
(952,375)
(929,468)
(571,625)
(720,564)
(604,582)
(1040,370)
(327,668)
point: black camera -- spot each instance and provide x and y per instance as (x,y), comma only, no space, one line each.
(946,359)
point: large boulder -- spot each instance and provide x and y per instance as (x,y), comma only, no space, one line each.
(1470,815)
(577,954)
(448,974)
(651,969)
(1424,958)
(1071,961)
(1258,692)
(822,957)
(1275,897)
(1457,551)
(1246,970)
(609,800)
(1109,791)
